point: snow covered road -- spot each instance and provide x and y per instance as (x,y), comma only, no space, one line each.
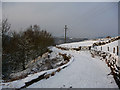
(84,72)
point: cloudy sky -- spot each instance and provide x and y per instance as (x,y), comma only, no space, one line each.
(84,19)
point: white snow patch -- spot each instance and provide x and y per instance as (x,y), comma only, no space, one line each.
(77,44)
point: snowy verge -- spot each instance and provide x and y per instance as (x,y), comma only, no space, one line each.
(21,83)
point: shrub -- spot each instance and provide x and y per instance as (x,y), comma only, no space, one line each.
(47,76)
(58,70)
(53,73)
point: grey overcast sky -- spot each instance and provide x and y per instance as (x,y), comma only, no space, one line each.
(84,19)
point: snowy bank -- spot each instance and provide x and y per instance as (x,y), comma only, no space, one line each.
(22,82)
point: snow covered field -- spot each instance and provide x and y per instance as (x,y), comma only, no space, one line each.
(77,44)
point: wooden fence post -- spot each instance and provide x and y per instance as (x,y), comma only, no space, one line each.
(108,48)
(80,48)
(114,50)
(101,48)
(117,50)
(89,47)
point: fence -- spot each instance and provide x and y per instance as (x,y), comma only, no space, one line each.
(114,50)
(112,60)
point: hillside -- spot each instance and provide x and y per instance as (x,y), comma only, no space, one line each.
(89,66)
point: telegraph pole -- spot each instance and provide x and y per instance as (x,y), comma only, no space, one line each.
(65,32)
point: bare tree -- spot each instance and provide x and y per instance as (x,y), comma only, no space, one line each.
(5,26)
(5,29)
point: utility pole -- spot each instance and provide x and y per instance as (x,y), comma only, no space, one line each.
(65,32)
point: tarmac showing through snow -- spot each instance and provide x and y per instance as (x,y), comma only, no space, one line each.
(84,72)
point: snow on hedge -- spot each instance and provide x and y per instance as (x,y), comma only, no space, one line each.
(21,83)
